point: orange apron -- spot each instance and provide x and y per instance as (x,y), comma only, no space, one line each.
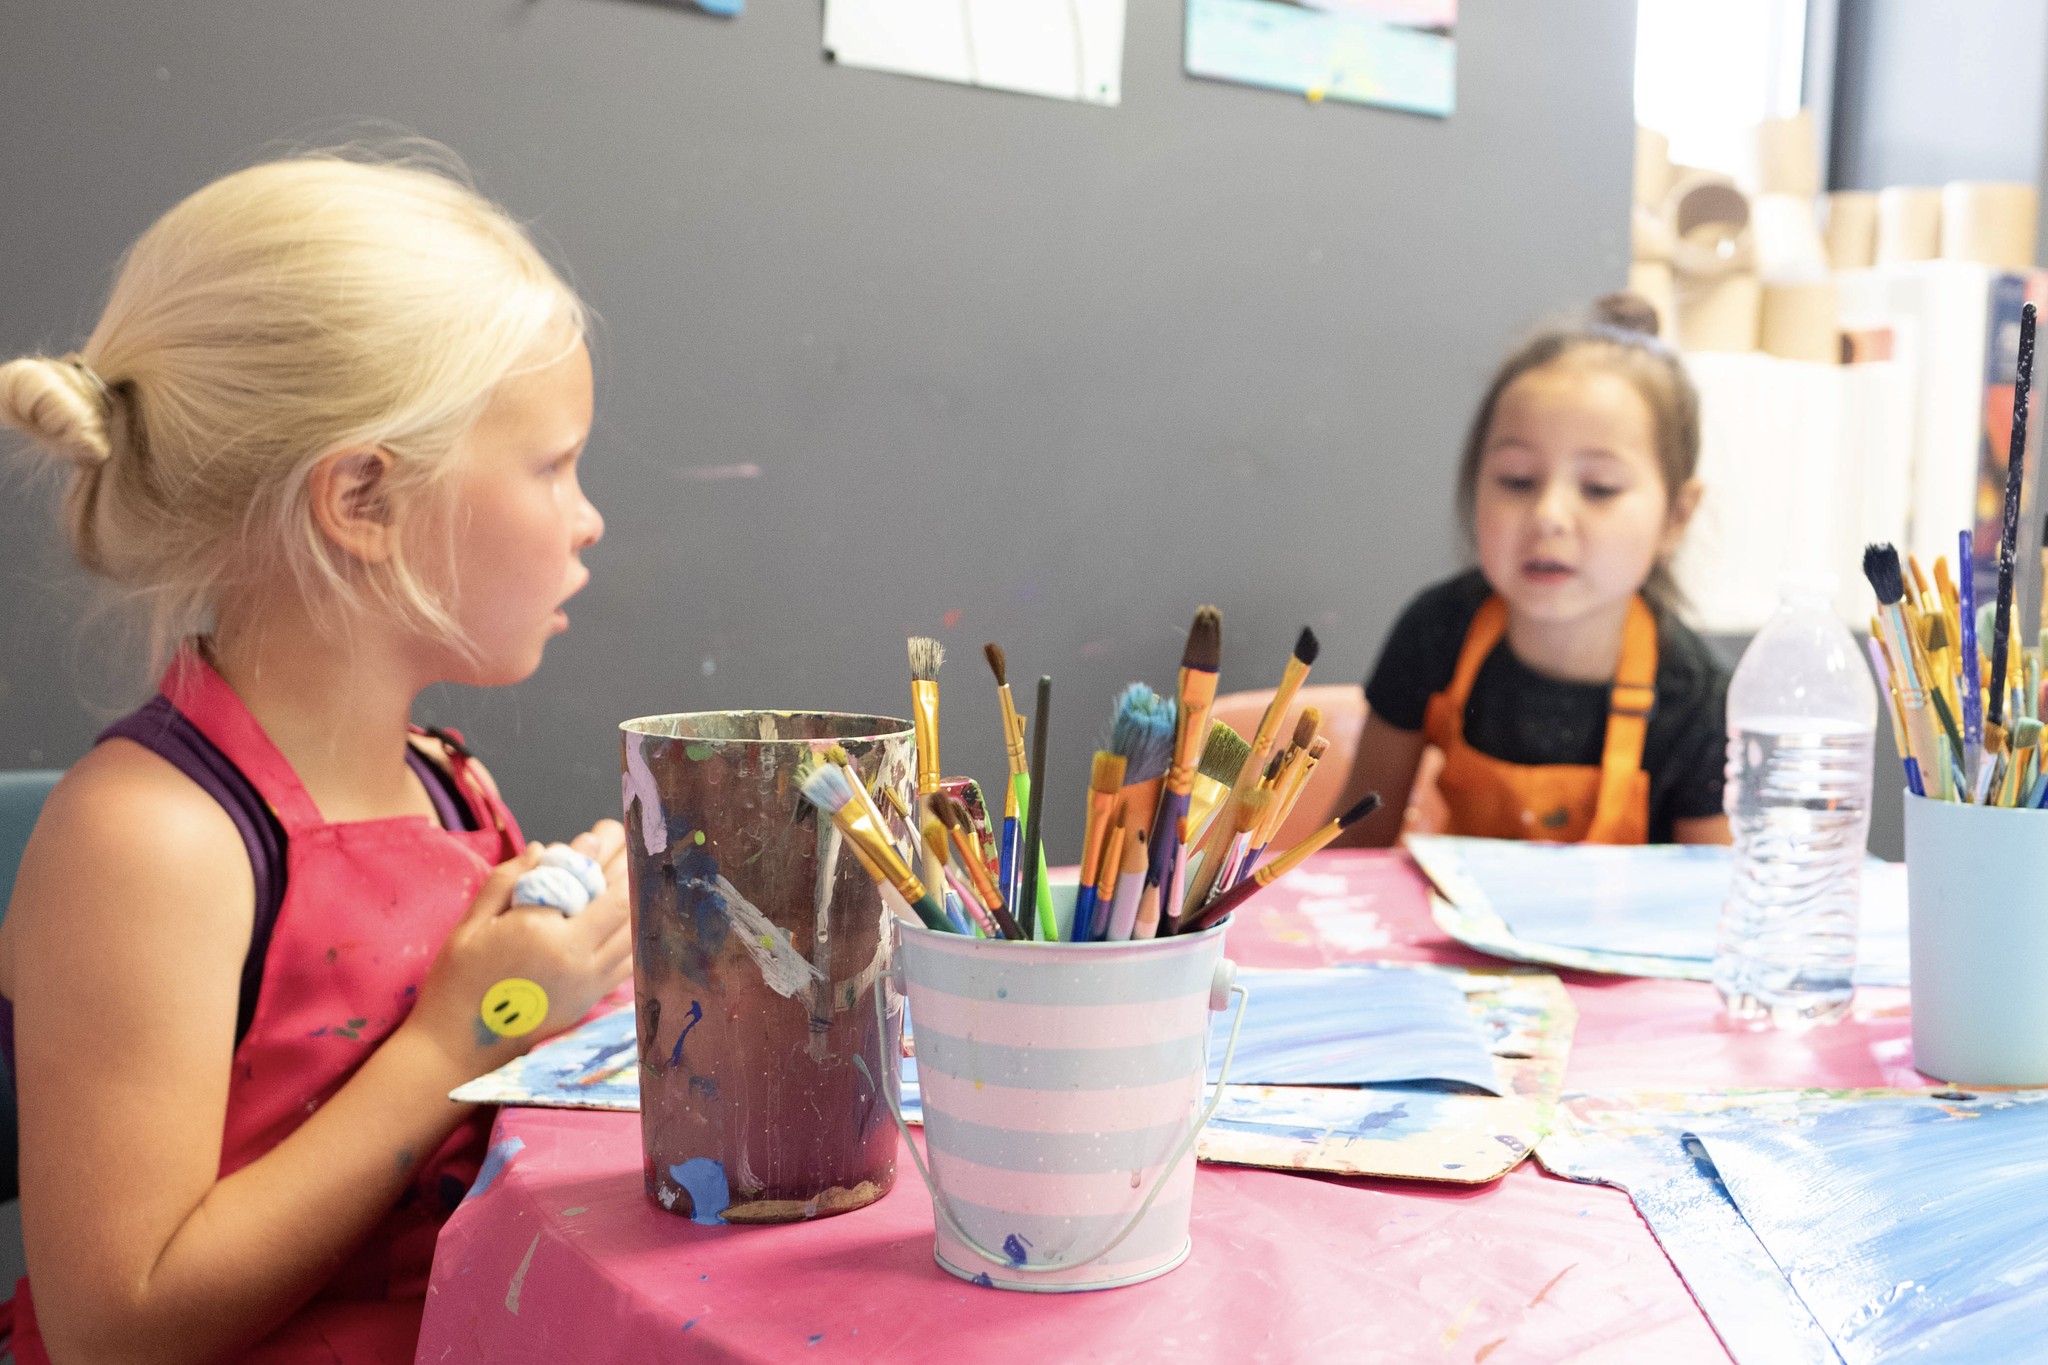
(1561,802)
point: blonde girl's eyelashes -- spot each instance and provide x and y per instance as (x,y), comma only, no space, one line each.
(1600,492)
(1515,483)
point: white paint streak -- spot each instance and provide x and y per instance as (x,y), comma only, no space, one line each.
(707,473)
(782,966)
(638,781)
(519,1276)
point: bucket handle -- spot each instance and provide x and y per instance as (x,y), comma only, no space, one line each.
(944,1209)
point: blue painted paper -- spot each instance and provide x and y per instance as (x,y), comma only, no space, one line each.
(1914,1229)
(1644,910)
(1361,1025)
(1329,50)
(592,1066)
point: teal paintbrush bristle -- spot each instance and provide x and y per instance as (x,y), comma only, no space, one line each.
(1143,733)
(826,787)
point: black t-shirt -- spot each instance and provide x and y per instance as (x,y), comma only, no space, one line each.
(1518,715)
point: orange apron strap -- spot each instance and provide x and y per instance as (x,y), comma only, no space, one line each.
(1628,719)
(1488,625)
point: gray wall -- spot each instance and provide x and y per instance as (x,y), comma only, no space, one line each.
(1926,93)
(1052,374)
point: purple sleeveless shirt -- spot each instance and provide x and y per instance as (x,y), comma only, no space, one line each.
(159,728)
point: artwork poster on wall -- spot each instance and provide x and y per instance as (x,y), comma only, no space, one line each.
(1062,49)
(1401,54)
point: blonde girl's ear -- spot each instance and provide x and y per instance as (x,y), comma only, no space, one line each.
(351,503)
(1684,503)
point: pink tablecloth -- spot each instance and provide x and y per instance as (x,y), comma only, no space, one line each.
(563,1259)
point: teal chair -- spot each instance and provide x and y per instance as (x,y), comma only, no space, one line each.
(21,801)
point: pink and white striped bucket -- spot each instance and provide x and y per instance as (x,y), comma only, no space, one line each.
(1062,1089)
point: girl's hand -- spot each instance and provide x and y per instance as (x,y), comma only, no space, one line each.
(575,960)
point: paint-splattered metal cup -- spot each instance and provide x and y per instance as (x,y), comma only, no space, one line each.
(757,944)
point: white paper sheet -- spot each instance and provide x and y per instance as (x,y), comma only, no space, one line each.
(1062,49)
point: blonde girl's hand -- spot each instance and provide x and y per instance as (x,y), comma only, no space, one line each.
(574,960)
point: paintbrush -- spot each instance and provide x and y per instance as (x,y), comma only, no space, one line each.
(953,815)
(1013,752)
(1143,732)
(1035,894)
(1972,683)
(1222,758)
(926,655)
(1881,567)
(1223,905)
(826,787)
(1130,886)
(2015,491)
(1106,879)
(1306,648)
(1291,760)
(1105,780)
(1200,657)
(1915,783)
(959,903)
(1317,747)
(1246,814)
(836,753)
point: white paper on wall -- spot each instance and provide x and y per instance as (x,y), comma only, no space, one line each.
(1062,49)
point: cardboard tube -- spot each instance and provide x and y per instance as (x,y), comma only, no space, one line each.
(1649,235)
(1789,249)
(1720,314)
(1797,322)
(1710,227)
(1908,224)
(1653,167)
(1989,222)
(1651,280)
(1852,229)
(1784,158)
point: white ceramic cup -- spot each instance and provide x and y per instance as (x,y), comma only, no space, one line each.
(1977,901)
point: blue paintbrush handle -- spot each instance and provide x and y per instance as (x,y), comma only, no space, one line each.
(1006,875)
(1084,914)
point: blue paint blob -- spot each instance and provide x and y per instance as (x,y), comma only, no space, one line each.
(707,1086)
(692,1019)
(1016,1248)
(688,1325)
(704,1181)
(984,1281)
(813,1341)
(494,1164)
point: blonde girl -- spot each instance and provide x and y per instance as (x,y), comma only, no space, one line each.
(326,431)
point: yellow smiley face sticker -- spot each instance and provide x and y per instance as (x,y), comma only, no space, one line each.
(514,1007)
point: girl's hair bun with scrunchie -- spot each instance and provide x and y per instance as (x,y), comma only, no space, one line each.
(59,404)
(1626,312)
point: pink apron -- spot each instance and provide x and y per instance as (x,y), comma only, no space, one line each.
(366,905)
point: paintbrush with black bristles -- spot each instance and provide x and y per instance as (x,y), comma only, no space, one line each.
(2015,493)
(1881,567)
(1200,659)
(1201,884)
(1224,904)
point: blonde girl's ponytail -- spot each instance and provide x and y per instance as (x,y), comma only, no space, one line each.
(279,315)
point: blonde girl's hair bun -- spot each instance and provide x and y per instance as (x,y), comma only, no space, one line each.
(59,404)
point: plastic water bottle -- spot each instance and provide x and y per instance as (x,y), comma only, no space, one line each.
(1802,715)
